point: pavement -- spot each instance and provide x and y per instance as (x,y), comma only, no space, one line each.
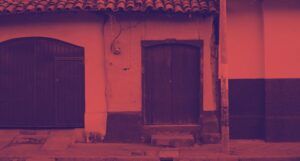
(62,145)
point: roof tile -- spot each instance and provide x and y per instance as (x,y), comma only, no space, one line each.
(176,6)
(159,4)
(149,4)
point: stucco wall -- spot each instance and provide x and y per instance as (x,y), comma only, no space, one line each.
(245,41)
(262,39)
(282,32)
(124,70)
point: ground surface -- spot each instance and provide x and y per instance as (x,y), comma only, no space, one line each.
(61,146)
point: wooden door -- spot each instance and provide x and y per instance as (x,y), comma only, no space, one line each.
(30,95)
(171,83)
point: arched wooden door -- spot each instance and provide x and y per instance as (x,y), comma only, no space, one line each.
(41,84)
(172,88)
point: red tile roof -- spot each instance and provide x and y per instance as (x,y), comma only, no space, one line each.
(175,6)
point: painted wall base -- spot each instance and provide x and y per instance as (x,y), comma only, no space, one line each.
(124,127)
(127,127)
(95,126)
(266,109)
(210,133)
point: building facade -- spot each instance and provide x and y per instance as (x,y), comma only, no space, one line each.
(115,70)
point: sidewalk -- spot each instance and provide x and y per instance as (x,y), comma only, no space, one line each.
(62,148)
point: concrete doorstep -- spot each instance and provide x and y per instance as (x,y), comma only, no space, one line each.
(171,140)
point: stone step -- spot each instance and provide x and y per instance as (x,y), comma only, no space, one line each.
(172,139)
(154,129)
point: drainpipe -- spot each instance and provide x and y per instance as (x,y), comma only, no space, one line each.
(223,75)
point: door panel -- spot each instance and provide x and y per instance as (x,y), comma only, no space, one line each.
(185,84)
(158,87)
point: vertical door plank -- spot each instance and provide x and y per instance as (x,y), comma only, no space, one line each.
(44,83)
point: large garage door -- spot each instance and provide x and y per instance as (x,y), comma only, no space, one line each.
(41,84)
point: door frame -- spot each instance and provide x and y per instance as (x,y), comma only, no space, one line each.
(149,43)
